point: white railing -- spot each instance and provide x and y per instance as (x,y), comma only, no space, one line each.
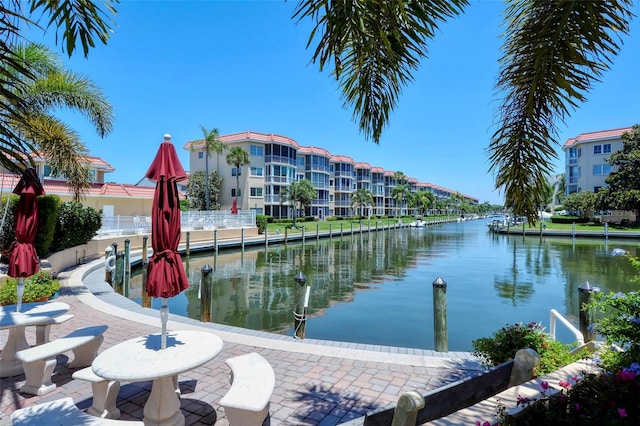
(556,316)
(190,220)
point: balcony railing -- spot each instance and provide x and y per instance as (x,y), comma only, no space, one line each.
(190,220)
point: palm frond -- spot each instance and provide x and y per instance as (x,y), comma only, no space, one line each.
(553,53)
(374,46)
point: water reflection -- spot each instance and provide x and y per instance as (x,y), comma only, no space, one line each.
(376,287)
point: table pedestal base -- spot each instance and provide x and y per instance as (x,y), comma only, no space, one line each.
(16,341)
(163,406)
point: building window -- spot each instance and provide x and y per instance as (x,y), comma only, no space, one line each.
(92,175)
(300,160)
(256,171)
(235,171)
(233,192)
(601,169)
(200,154)
(602,149)
(256,192)
(256,150)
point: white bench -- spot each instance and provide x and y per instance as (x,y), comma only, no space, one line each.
(61,412)
(39,361)
(43,330)
(105,394)
(252,382)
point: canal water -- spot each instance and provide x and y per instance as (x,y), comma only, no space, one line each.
(377,288)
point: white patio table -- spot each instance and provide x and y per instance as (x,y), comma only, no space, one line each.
(140,359)
(16,322)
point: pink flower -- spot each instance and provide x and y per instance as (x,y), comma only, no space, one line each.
(564,384)
(544,385)
(575,378)
(622,412)
(626,375)
(522,400)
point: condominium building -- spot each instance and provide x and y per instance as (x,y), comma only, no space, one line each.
(586,166)
(278,161)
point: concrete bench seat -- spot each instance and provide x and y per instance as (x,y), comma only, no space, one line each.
(252,383)
(105,394)
(39,361)
(61,412)
(43,330)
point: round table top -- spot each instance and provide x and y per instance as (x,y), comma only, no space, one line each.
(141,358)
(30,313)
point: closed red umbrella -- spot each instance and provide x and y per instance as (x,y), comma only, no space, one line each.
(23,261)
(166,276)
(234,207)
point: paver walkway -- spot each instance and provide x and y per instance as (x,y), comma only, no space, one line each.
(317,382)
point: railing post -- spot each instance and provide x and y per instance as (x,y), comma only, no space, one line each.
(440,331)
(587,316)
(406,412)
(205,293)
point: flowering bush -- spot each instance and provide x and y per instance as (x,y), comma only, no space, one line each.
(503,345)
(606,399)
(620,325)
(39,286)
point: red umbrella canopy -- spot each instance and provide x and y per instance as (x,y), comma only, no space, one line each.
(23,261)
(234,207)
(166,276)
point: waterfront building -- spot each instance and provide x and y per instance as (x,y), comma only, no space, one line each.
(586,166)
(277,161)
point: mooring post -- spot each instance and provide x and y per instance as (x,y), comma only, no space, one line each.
(146,299)
(127,267)
(119,273)
(242,239)
(573,229)
(286,233)
(330,232)
(317,232)
(205,293)
(215,240)
(300,310)
(606,230)
(108,252)
(266,238)
(440,332)
(341,229)
(587,316)
(186,249)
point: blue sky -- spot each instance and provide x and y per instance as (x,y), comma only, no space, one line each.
(172,66)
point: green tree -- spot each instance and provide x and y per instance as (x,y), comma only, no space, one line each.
(85,21)
(299,193)
(198,186)
(583,202)
(400,191)
(623,190)
(51,88)
(361,198)
(238,157)
(553,53)
(212,143)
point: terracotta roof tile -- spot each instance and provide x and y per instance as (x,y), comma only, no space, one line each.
(596,136)
(248,136)
(306,150)
(361,165)
(341,159)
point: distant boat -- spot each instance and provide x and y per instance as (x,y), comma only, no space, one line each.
(419,223)
(618,252)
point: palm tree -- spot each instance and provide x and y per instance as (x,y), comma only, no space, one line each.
(238,157)
(423,200)
(16,75)
(361,198)
(301,192)
(211,144)
(53,87)
(400,178)
(400,193)
(553,53)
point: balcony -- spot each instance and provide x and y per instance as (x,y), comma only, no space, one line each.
(278,179)
(281,160)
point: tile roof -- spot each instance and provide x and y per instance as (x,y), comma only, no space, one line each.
(377,170)
(341,159)
(94,161)
(248,137)
(306,150)
(361,165)
(596,136)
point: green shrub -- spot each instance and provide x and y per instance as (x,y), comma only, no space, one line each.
(568,219)
(76,225)
(48,211)
(504,343)
(39,286)
(261,222)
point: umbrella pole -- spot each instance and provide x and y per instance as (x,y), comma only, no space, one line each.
(164,316)
(20,291)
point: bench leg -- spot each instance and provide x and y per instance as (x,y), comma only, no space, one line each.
(105,394)
(84,355)
(240,417)
(42,334)
(38,375)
